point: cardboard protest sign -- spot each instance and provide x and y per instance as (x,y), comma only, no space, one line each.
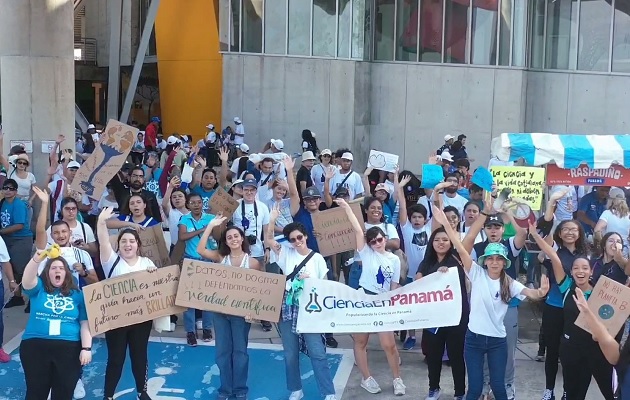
(335,233)
(230,290)
(222,202)
(131,298)
(615,175)
(610,302)
(153,245)
(483,178)
(525,182)
(431,302)
(382,161)
(110,154)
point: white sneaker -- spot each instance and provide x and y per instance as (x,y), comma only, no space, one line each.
(49,392)
(171,327)
(199,325)
(370,385)
(79,390)
(297,395)
(331,397)
(433,394)
(399,387)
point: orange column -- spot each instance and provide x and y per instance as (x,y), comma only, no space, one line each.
(189,65)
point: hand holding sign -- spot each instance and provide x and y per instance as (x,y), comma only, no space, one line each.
(483,178)
(431,176)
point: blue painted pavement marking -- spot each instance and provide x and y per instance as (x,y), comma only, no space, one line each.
(180,372)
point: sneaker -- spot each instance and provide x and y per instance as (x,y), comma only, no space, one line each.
(410,343)
(4,357)
(331,397)
(297,395)
(399,387)
(540,357)
(548,395)
(331,342)
(199,325)
(15,301)
(79,390)
(370,385)
(207,335)
(191,339)
(564,396)
(27,309)
(434,394)
(266,326)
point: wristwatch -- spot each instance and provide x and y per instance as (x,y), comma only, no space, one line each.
(86,348)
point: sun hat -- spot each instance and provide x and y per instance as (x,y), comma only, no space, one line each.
(495,249)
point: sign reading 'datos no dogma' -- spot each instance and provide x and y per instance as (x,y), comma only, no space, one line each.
(432,302)
(131,298)
(230,290)
(525,182)
(110,154)
(335,233)
(610,302)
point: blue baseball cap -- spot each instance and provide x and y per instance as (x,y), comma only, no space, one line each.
(155,119)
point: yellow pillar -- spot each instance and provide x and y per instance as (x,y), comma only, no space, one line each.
(189,65)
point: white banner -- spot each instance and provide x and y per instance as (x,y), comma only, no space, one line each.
(432,302)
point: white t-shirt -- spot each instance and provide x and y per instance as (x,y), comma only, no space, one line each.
(289,258)
(239,130)
(563,211)
(616,224)
(318,175)
(122,267)
(389,229)
(458,202)
(252,224)
(379,270)
(84,233)
(487,310)
(234,167)
(173,223)
(353,183)
(72,255)
(4,254)
(52,186)
(416,241)
(463,230)
(24,185)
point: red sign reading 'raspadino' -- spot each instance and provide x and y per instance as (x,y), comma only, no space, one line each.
(615,175)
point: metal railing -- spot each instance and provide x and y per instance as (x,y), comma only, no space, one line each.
(85,50)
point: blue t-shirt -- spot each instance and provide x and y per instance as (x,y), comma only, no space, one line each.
(15,212)
(555,298)
(153,185)
(192,225)
(593,208)
(147,223)
(54,316)
(304,217)
(389,211)
(205,196)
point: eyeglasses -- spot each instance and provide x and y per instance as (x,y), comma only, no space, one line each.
(297,238)
(326,155)
(70,209)
(9,188)
(569,230)
(378,240)
(22,163)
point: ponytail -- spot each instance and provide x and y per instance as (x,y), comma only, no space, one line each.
(505,283)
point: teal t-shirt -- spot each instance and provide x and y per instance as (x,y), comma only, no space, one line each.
(54,316)
(192,225)
(205,196)
(15,212)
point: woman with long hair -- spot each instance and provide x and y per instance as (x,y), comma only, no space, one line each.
(611,263)
(57,340)
(298,262)
(174,207)
(380,273)
(616,218)
(580,356)
(231,332)
(318,172)
(139,216)
(492,290)
(472,210)
(135,337)
(308,142)
(18,170)
(279,199)
(441,255)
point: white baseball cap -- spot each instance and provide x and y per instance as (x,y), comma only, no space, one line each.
(446,156)
(210,126)
(243,147)
(91,126)
(448,137)
(74,164)
(277,143)
(347,156)
(172,140)
(326,152)
(237,120)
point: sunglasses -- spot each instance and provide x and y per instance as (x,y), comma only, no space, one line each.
(22,163)
(9,188)
(378,240)
(295,239)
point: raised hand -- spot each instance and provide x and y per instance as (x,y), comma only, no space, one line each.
(288,163)
(275,212)
(60,138)
(217,221)
(342,203)
(580,300)
(405,180)
(544,285)
(42,195)
(440,217)
(106,213)
(224,155)
(330,172)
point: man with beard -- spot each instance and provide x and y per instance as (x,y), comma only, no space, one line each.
(135,186)
(448,189)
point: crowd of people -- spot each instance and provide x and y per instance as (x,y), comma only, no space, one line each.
(406,231)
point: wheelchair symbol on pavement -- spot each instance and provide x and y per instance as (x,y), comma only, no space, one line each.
(156,389)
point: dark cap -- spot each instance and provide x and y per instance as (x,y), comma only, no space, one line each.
(341,192)
(494,220)
(311,193)
(250,182)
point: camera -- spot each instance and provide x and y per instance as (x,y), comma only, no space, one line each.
(252,239)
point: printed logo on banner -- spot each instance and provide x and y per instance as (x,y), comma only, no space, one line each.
(313,304)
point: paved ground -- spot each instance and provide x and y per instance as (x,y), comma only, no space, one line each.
(168,353)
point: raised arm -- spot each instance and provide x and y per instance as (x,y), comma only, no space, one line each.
(539,293)
(224,155)
(293,193)
(270,241)
(365,179)
(358,229)
(403,218)
(464,255)
(106,249)
(41,238)
(29,276)
(521,233)
(200,166)
(204,252)
(546,248)
(166,201)
(329,173)
(477,226)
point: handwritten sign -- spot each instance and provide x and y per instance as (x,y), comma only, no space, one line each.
(230,290)
(222,202)
(610,302)
(131,298)
(483,178)
(525,182)
(382,161)
(153,245)
(335,233)
(110,154)
(615,175)
(431,176)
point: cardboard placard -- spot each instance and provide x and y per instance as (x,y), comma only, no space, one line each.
(153,245)
(222,202)
(526,183)
(431,176)
(382,161)
(483,178)
(610,302)
(335,233)
(131,298)
(615,175)
(110,154)
(231,290)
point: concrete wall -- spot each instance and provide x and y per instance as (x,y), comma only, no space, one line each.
(97,26)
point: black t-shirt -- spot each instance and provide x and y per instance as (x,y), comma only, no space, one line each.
(572,332)
(303,175)
(451,262)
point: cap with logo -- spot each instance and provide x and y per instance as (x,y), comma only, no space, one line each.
(250,183)
(311,193)
(341,192)
(381,186)
(494,220)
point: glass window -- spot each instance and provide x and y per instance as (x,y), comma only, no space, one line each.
(299,27)
(345,26)
(519,32)
(361,26)
(275,26)
(224,25)
(621,40)
(252,26)
(456,30)
(431,16)
(595,20)
(407,30)
(324,27)
(235,33)
(484,32)
(538,33)
(561,41)
(384,30)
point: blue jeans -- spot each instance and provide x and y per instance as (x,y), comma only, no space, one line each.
(476,349)
(355,275)
(231,336)
(317,354)
(189,320)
